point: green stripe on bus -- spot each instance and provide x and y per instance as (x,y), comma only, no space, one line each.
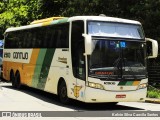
(129,83)
(122,83)
(45,68)
(64,20)
(126,83)
(38,67)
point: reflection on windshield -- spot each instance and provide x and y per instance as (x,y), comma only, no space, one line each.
(97,28)
(117,59)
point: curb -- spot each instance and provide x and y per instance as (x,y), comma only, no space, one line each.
(152,100)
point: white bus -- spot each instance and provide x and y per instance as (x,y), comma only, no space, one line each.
(93,59)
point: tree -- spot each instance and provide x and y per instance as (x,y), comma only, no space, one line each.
(22,12)
(18,12)
(52,8)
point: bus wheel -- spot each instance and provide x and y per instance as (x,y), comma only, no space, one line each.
(62,93)
(12,79)
(17,80)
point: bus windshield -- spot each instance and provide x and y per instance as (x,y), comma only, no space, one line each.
(117,60)
(110,29)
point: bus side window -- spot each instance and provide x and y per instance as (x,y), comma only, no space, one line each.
(59,31)
(24,38)
(39,38)
(42,35)
(65,36)
(9,41)
(28,39)
(51,42)
(46,37)
(14,39)
(34,38)
(21,39)
(55,37)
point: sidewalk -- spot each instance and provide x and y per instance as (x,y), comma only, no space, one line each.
(153,100)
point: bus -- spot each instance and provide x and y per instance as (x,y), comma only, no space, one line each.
(93,59)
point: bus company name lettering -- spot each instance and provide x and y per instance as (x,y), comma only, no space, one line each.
(17,55)
(20,55)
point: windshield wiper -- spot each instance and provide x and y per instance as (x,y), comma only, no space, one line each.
(119,67)
(130,68)
(95,66)
(115,66)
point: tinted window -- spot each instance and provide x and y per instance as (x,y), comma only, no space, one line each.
(55,36)
(77,49)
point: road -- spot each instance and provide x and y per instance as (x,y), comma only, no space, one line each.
(29,99)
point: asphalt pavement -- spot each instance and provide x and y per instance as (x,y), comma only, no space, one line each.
(148,100)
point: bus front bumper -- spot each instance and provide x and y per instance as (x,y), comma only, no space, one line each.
(100,96)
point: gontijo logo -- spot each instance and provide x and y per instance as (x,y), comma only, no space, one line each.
(20,55)
(17,55)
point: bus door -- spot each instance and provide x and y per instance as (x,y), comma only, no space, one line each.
(78,59)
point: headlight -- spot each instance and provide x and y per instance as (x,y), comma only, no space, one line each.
(141,86)
(95,85)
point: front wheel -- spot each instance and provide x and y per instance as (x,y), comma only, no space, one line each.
(62,93)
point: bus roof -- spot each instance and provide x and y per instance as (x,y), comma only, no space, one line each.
(48,21)
(104,18)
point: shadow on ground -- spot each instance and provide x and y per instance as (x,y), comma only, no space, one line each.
(75,105)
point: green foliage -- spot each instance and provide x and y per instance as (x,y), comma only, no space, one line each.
(51,8)
(18,12)
(22,12)
(153,92)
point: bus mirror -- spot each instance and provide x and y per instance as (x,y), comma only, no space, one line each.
(152,48)
(88,44)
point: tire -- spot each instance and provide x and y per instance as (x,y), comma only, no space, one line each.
(17,81)
(12,79)
(62,93)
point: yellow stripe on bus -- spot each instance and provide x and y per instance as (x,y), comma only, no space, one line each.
(29,68)
(46,23)
(34,56)
(135,83)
